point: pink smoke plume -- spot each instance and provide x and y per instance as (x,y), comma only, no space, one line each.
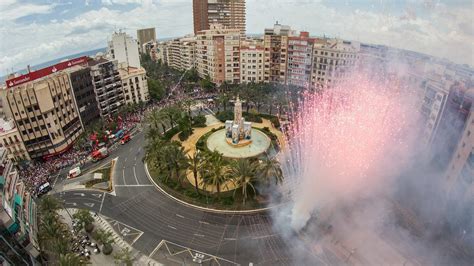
(345,141)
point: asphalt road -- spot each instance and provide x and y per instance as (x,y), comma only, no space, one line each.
(142,207)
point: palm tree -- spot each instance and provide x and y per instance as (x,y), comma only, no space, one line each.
(156,118)
(215,171)
(50,204)
(270,168)
(243,172)
(106,239)
(194,163)
(176,158)
(124,257)
(71,259)
(85,220)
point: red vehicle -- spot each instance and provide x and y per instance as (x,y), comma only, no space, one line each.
(99,154)
(125,139)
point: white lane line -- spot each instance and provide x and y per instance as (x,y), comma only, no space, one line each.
(125,160)
(230,238)
(135,174)
(199,235)
(180,216)
(172,227)
(123,176)
(102,203)
(202,222)
(260,237)
(141,185)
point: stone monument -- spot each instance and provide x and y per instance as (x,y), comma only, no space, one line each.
(238,132)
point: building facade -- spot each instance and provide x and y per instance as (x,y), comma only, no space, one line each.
(252,61)
(300,55)
(43,107)
(218,54)
(107,86)
(134,84)
(10,140)
(18,223)
(145,36)
(84,95)
(276,53)
(333,60)
(229,13)
(124,49)
(181,53)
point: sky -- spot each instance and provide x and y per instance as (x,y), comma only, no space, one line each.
(32,32)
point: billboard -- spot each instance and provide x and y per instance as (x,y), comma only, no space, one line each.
(45,71)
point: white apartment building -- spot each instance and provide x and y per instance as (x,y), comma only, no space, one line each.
(10,140)
(135,85)
(218,54)
(180,53)
(252,61)
(300,54)
(333,59)
(124,49)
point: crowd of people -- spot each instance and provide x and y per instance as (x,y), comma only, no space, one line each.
(37,173)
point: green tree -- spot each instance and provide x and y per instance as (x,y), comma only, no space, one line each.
(243,172)
(157,118)
(207,84)
(105,238)
(85,220)
(194,163)
(270,169)
(71,259)
(156,88)
(175,159)
(215,171)
(124,257)
(173,113)
(191,75)
(50,204)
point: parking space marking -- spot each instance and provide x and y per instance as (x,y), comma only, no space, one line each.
(135,175)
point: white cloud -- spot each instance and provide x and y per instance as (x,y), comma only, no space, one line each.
(123,2)
(440,30)
(10,10)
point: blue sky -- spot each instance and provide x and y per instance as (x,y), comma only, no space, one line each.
(32,32)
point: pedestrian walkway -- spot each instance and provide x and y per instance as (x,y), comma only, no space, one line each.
(119,244)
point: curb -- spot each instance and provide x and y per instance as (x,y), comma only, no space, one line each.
(200,207)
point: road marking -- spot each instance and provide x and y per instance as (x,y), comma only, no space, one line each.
(102,203)
(135,174)
(199,235)
(202,222)
(140,185)
(80,194)
(72,203)
(172,227)
(180,216)
(260,237)
(123,176)
(97,195)
(230,238)
(89,204)
(125,160)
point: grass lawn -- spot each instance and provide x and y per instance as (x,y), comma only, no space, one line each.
(105,177)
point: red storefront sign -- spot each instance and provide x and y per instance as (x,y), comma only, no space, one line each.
(45,71)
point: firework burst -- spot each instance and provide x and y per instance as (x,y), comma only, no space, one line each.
(344,141)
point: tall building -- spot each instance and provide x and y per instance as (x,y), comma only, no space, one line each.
(452,122)
(107,86)
(230,13)
(123,49)
(218,54)
(18,223)
(181,53)
(10,140)
(251,61)
(134,84)
(84,95)
(145,36)
(333,60)
(300,54)
(276,53)
(43,107)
